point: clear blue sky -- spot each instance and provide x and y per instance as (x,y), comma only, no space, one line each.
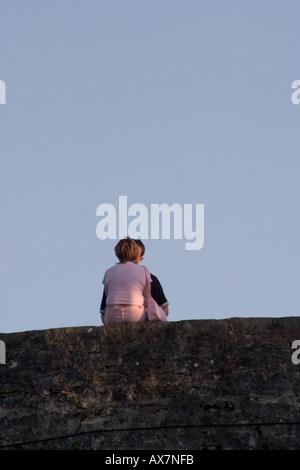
(185,102)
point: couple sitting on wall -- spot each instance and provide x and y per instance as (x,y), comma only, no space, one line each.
(131,293)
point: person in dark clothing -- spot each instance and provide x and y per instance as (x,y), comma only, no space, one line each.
(157,291)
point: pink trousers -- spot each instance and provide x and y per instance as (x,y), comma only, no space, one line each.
(124,314)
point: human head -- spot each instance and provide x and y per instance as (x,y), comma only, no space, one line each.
(126,250)
(141,246)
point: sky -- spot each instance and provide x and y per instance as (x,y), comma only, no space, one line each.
(149,102)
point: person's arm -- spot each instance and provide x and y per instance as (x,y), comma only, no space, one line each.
(166,310)
(103,302)
(147,290)
(159,295)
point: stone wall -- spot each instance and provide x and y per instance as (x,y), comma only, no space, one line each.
(199,384)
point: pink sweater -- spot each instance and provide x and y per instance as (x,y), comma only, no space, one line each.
(125,283)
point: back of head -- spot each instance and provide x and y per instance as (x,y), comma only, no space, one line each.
(126,250)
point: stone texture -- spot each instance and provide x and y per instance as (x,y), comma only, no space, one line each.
(198,384)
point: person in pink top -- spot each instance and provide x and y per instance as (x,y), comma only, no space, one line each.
(127,286)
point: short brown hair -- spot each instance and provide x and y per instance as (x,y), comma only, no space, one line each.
(126,250)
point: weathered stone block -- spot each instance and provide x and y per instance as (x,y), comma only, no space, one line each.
(198,384)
